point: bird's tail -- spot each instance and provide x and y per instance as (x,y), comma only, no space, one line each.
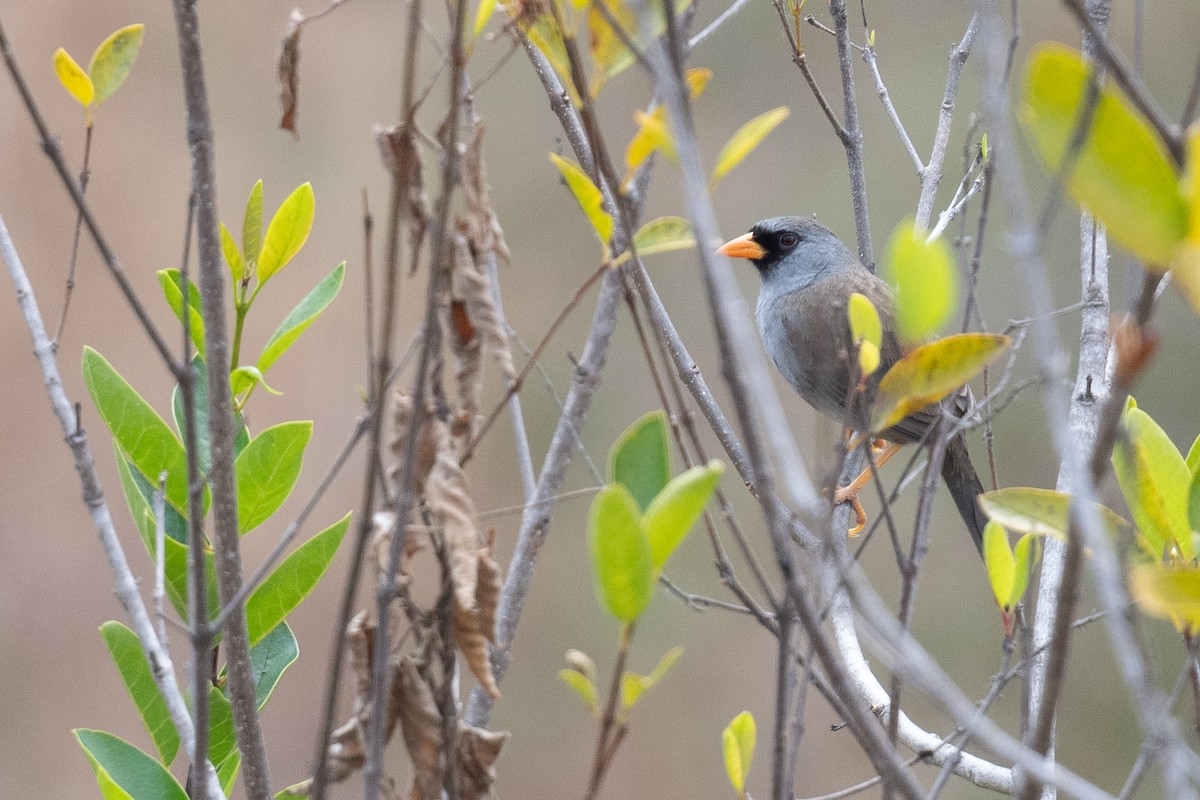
(963,482)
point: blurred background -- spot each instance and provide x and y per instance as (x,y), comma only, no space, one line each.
(56,589)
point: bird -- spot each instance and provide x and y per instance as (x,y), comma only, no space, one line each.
(808,275)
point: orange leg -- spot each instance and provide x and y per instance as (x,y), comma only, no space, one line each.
(849,493)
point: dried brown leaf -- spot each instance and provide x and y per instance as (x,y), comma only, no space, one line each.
(476,753)
(426,453)
(487,592)
(289,73)
(483,226)
(397,146)
(448,500)
(421,727)
(465,345)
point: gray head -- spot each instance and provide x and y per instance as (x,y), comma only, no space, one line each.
(791,252)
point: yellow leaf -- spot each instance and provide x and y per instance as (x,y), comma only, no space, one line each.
(1186,267)
(923,277)
(582,686)
(588,196)
(999,563)
(1122,173)
(547,38)
(113,60)
(868,357)
(73,78)
(609,54)
(864,320)
(930,372)
(652,135)
(483,15)
(1042,512)
(661,235)
(738,740)
(697,78)
(1169,592)
(745,140)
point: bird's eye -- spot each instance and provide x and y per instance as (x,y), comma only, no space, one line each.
(789,240)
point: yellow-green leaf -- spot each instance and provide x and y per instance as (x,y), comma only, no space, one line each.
(73,78)
(233,257)
(745,140)
(113,60)
(930,372)
(865,325)
(1122,173)
(609,53)
(587,195)
(287,232)
(620,553)
(582,686)
(662,235)
(633,686)
(252,224)
(999,562)
(1155,481)
(1042,512)
(1171,592)
(672,513)
(737,742)
(1024,553)
(922,275)
(1186,267)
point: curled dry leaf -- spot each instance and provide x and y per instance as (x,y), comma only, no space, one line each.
(289,73)
(421,727)
(403,161)
(447,498)
(464,344)
(426,453)
(476,754)
(475,627)
(483,226)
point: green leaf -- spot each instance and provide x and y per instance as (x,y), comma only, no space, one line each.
(222,741)
(1155,481)
(738,741)
(1170,592)
(125,772)
(287,232)
(139,495)
(923,277)
(1042,512)
(126,652)
(588,196)
(1122,173)
(930,372)
(662,235)
(73,78)
(1193,457)
(641,458)
(245,378)
(138,430)
(270,658)
(113,60)
(227,772)
(171,281)
(267,470)
(742,143)
(582,687)
(229,249)
(620,553)
(671,515)
(200,411)
(252,224)
(303,315)
(292,581)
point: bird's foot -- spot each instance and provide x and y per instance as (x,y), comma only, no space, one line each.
(881,451)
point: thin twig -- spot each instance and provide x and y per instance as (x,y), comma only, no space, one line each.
(84,174)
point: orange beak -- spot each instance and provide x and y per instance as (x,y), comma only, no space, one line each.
(742,247)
